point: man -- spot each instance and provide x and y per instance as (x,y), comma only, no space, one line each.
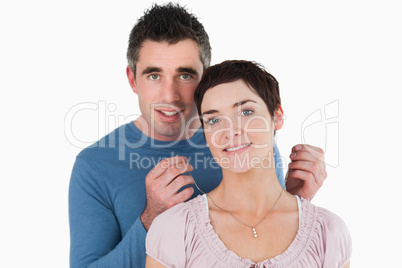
(122,182)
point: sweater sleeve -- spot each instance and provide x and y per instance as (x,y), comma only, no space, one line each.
(167,236)
(279,166)
(95,236)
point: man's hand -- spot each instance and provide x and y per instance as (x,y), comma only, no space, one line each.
(306,171)
(162,185)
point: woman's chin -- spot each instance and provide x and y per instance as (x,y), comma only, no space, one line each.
(236,170)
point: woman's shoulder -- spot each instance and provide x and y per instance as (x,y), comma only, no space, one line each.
(330,235)
(178,214)
(178,218)
(175,213)
(331,222)
(171,232)
(322,216)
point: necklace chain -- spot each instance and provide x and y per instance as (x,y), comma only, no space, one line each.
(230,213)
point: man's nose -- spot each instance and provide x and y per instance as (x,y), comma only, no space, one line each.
(170,91)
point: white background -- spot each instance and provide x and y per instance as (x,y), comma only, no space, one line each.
(345,55)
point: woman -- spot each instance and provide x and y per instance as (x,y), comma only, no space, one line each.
(248,220)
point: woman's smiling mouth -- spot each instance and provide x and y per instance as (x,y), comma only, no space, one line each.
(237,148)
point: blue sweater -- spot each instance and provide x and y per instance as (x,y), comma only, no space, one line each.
(107,193)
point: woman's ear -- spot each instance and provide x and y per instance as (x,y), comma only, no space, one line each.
(278,118)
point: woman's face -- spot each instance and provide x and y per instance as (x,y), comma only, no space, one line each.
(238,127)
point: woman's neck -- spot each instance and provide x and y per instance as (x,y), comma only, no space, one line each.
(252,192)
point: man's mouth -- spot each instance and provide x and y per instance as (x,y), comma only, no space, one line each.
(169,115)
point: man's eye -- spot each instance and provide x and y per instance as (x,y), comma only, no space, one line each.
(154,77)
(185,76)
(247,112)
(212,121)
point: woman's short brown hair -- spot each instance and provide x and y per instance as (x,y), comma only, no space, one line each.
(253,74)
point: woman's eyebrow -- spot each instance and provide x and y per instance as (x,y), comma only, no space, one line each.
(210,112)
(240,103)
(237,104)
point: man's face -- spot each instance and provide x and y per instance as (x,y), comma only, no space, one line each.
(165,80)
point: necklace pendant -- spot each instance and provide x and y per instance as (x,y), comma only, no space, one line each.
(255,232)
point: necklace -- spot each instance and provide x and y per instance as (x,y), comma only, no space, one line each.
(251,226)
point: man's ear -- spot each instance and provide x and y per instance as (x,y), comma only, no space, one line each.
(279,118)
(131,79)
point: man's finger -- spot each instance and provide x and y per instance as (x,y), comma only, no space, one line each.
(175,171)
(174,187)
(178,182)
(306,156)
(317,152)
(308,179)
(164,165)
(181,197)
(297,147)
(306,147)
(304,165)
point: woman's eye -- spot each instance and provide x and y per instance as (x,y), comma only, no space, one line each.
(212,121)
(185,76)
(154,77)
(247,112)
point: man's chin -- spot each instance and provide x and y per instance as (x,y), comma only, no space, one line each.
(169,133)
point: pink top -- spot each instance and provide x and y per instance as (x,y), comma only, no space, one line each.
(182,236)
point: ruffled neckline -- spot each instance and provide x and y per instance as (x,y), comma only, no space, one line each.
(218,248)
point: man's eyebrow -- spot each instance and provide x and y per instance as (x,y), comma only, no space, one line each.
(237,104)
(151,70)
(187,70)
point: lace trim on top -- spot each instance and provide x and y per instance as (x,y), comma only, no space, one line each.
(218,248)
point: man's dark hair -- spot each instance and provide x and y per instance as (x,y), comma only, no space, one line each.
(169,23)
(253,74)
